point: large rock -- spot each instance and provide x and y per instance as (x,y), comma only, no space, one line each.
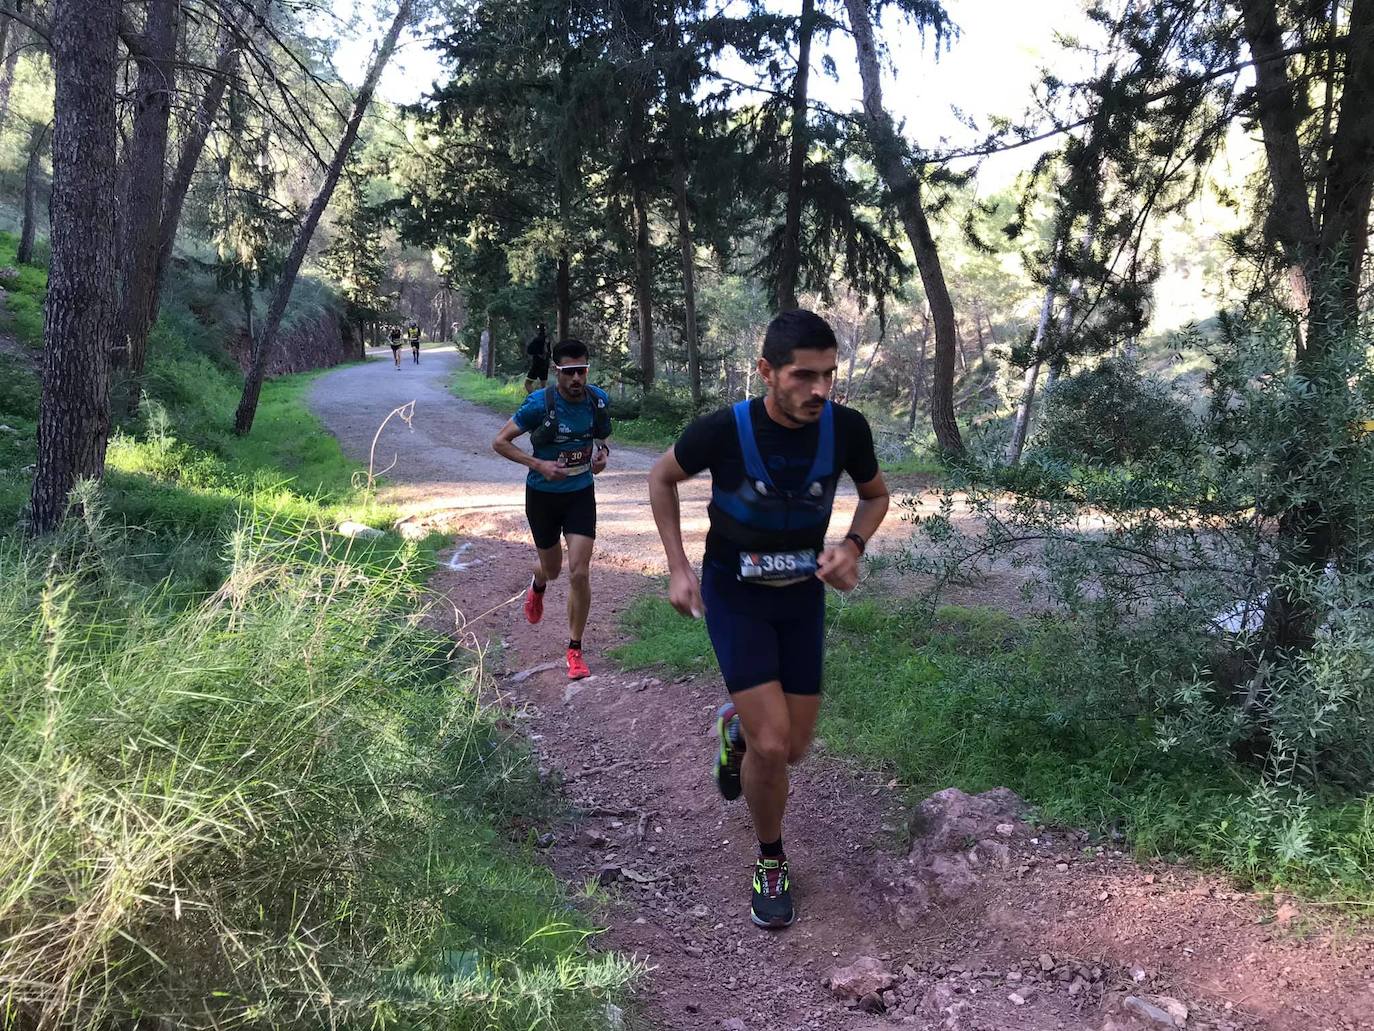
(948,819)
(956,838)
(865,976)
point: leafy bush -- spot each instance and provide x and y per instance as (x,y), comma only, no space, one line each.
(1111,414)
(265,808)
(1163,571)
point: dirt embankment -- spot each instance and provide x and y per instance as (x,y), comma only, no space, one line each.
(318,341)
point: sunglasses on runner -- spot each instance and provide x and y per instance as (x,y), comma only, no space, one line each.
(572,370)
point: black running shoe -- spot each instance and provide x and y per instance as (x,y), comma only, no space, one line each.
(772,903)
(730,752)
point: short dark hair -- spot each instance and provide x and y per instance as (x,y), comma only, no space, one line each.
(796,330)
(570,348)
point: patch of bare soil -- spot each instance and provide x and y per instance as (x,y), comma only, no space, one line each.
(958,915)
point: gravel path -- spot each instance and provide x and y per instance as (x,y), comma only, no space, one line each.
(948,923)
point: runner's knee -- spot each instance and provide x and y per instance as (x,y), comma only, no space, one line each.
(769,749)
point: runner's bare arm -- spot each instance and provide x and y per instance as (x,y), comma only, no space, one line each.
(683,589)
(504,445)
(839,564)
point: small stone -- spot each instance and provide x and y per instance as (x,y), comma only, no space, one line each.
(616,825)
(593,838)
(608,874)
(1158,1010)
(1046,962)
(734,1024)
(1104,896)
(1138,974)
(1062,867)
(889,999)
(700,912)
(1013,976)
(1076,987)
(872,1003)
(1016,999)
(909,972)
(1006,829)
(615,1017)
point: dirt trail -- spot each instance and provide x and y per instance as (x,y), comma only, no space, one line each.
(972,920)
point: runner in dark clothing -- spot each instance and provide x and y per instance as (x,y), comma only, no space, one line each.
(538,350)
(396,346)
(774,464)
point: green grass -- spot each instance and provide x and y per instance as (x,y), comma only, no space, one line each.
(976,699)
(278,804)
(244,783)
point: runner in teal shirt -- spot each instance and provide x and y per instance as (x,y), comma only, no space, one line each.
(569,447)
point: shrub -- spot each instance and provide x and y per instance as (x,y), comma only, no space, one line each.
(1112,414)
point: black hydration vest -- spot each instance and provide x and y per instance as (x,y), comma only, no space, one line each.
(547,431)
(758,507)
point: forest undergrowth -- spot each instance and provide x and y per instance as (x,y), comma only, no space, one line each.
(246,785)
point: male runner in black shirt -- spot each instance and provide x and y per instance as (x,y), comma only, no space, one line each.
(774,464)
(538,350)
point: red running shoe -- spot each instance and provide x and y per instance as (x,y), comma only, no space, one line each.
(534,603)
(577,669)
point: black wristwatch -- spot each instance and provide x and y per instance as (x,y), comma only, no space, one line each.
(858,540)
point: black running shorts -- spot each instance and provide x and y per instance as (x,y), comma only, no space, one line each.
(539,370)
(762,633)
(553,514)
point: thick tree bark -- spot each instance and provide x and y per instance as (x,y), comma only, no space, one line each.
(79,317)
(266,340)
(789,264)
(906,195)
(143,195)
(33,173)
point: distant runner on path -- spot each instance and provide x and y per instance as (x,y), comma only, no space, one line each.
(538,351)
(568,425)
(774,463)
(413,333)
(396,346)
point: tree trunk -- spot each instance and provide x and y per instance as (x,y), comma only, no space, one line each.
(486,354)
(563,316)
(789,264)
(644,287)
(14,40)
(1021,423)
(262,345)
(868,365)
(145,169)
(198,131)
(920,374)
(38,138)
(74,414)
(906,194)
(689,286)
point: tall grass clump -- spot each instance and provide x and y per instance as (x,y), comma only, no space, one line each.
(269,807)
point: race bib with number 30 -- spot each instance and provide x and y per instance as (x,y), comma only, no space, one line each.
(576,460)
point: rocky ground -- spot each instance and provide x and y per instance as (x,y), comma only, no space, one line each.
(957,913)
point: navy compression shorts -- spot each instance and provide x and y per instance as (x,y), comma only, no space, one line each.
(761,634)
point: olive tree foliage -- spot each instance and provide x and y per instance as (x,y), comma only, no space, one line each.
(1247,554)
